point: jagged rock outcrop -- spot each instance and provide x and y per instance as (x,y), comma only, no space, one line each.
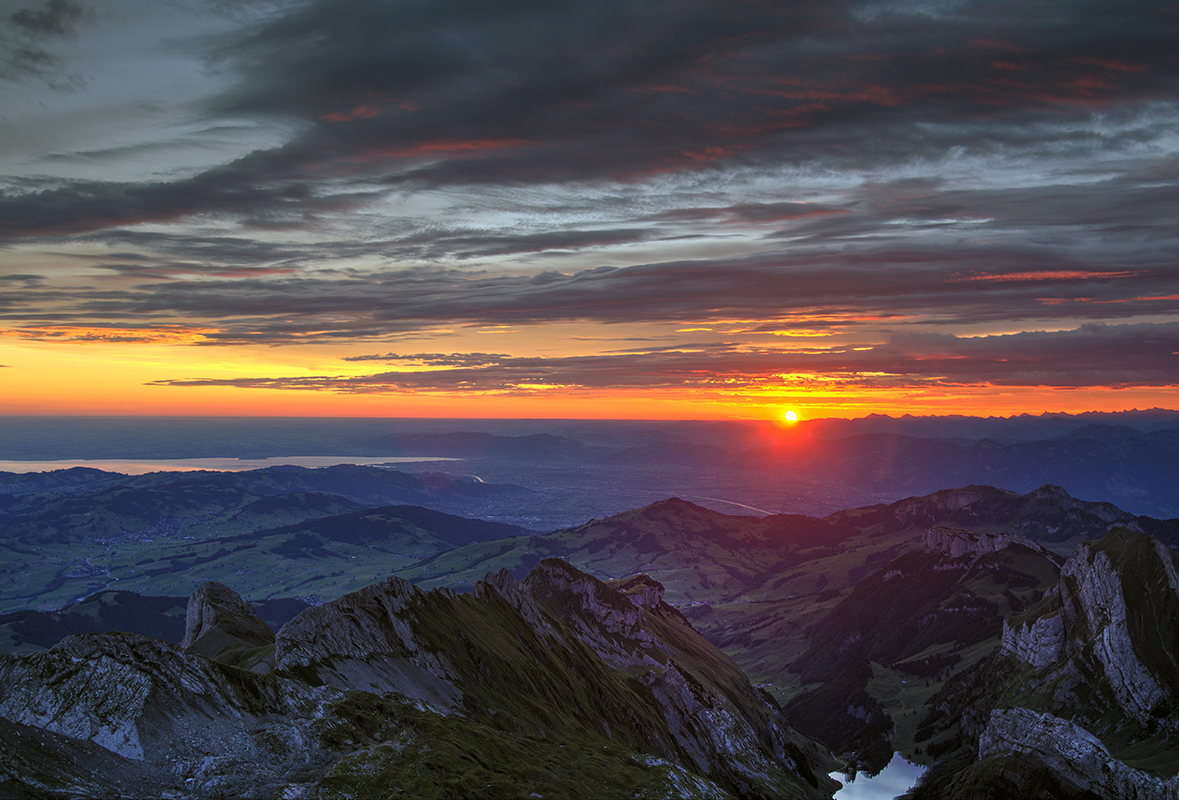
(1090,584)
(504,585)
(220,625)
(642,589)
(1087,617)
(958,543)
(608,620)
(193,722)
(710,708)
(1082,696)
(1075,757)
(366,640)
(1038,642)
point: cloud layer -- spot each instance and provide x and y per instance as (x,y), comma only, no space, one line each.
(1115,356)
(949,192)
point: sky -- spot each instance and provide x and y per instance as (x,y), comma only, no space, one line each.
(606,208)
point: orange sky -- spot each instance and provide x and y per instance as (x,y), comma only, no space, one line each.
(116,378)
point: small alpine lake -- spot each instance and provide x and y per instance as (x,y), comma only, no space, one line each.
(894,780)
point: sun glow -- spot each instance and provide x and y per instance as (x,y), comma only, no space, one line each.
(790,416)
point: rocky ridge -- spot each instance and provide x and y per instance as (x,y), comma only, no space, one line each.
(1047,514)
(957,543)
(1075,757)
(186,720)
(392,637)
(1087,617)
(1083,690)
(365,640)
(393,681)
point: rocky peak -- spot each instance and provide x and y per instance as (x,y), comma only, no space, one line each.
(642,589)
(366,640)
(597,608)
(1053,492)
(220,625)
(1059,496)
(946,500)
(1046,514)
(504,585)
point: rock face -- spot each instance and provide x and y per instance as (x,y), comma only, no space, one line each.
(560,668)
(960,544)
(220,625)
(366,640)
(1088,672)
(1038,642)
(1087,620)
(187,720)
(643,590)
(711,711)
(1076,758)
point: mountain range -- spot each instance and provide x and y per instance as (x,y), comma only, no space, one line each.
(941,626)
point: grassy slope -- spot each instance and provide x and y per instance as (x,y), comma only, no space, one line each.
(519,687)
(898,636)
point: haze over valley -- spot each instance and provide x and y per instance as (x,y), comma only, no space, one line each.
(877,630)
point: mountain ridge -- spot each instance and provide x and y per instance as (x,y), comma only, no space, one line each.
(598,684)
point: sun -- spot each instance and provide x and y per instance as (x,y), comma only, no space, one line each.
(790,416)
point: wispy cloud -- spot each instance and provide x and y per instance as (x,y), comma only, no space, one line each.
(1116,356)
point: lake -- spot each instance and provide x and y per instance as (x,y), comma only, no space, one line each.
(894,780)
(141,466)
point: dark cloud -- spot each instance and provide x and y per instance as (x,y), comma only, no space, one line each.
(26,280)
(1117,356)
(535,92)
(525,92)
(483,245)
(57,18)
(106,333)
(454,163)
(980,283)
(27,37)
(232,189)
(751,212)
(466,360)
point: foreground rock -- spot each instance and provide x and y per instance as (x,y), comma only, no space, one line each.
(1082,697)
(220,625)
(1078,761)
(391,689)
(184,722)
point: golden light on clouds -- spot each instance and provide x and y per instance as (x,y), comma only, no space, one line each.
(162,334)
